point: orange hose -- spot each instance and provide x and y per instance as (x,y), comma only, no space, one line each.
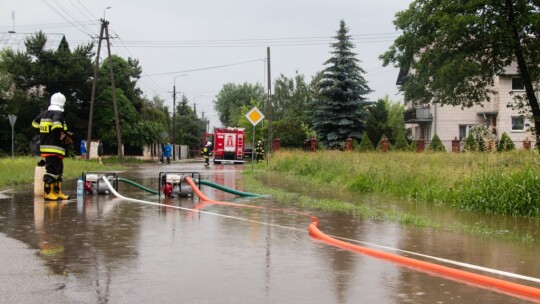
(510,288)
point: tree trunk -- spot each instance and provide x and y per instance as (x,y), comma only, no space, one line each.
(524,72)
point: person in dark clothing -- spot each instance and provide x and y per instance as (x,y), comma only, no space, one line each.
(54,139)
(100,150)
(259,151)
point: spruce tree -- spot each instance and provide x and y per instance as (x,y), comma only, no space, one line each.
(339,103)
(365,144)
(436,144)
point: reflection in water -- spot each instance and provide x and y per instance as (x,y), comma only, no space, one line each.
(113,251)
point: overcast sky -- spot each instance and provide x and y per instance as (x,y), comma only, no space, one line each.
(226,41)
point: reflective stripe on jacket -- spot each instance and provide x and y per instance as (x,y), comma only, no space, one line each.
(51,124)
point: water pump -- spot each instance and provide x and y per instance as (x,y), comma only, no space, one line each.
(173,184)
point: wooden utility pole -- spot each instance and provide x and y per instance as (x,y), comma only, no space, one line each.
(105,30)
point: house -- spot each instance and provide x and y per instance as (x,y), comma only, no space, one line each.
(451,122)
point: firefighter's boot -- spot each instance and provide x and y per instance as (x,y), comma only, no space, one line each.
(49,195)
(58,191)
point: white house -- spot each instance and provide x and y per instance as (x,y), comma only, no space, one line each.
(450,122)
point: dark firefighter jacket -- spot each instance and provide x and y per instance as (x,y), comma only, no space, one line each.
(51,124)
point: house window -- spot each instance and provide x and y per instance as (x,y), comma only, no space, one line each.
(464,131)
(518,123)
(517,84)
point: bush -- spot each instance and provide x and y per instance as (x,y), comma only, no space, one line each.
(436,144)
(470,144)
(401,143)
(365,143)
(505,144)
(379,145)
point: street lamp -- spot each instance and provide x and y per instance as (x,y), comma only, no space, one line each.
(174,116)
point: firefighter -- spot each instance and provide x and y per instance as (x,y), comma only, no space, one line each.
(259,151)
(54,139)
(206,153)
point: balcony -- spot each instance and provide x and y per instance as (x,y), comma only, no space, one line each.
(417,115)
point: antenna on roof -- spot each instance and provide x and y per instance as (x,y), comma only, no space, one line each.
(13,18)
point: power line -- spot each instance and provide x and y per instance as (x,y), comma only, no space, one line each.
(63,17)
(206,68)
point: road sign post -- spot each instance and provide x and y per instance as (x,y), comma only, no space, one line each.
(12,118)
(254,116)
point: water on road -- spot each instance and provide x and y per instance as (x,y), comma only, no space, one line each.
(109,250)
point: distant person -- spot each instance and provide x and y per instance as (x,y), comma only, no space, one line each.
(167,152)
(206,153)
(259,151)
(100,150)
(83,149)
(160,153)
(54,140)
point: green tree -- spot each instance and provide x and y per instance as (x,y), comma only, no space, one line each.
(189,127)
(436,144)
(37,73)
(455,49)
(470,144)
(291,131)
(377,121)
(232,97)
(291,98)
(365,143)
(401,142)
(339,108)
(505,144)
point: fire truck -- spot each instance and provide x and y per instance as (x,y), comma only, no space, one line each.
(228,144)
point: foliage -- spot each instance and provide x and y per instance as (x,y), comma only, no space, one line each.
(436,144)
(189,127)
(413,147)
(454,50)
(339,105)
(365,143)
(505,144)
(377,121)
(401,142)
(232,97)
(379,143)
(261,129)
(483,137)
(291,131)
(462,180)
(29,78)
(291,98)
(470,144)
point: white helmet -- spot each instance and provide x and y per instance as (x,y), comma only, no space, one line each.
(57,102)
(208,144)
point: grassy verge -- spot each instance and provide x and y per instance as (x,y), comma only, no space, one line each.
(19,170)
(498,183)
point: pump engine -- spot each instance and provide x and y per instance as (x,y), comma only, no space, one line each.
(173,184)
(93,183)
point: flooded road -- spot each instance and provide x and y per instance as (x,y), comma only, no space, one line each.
(109,250)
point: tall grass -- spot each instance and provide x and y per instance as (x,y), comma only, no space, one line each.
(503,183)
(19,170)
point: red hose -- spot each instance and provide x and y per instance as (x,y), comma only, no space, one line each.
(510,288)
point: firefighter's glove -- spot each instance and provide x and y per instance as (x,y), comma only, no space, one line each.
(41,163)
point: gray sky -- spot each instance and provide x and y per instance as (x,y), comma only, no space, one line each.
(172,36)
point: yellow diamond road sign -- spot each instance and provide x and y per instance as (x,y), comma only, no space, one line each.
(254,116)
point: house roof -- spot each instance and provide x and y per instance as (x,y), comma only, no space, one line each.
(15,41)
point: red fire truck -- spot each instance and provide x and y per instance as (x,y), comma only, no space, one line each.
(228,144)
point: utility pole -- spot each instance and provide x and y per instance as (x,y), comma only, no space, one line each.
(105,30)
(269,105)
